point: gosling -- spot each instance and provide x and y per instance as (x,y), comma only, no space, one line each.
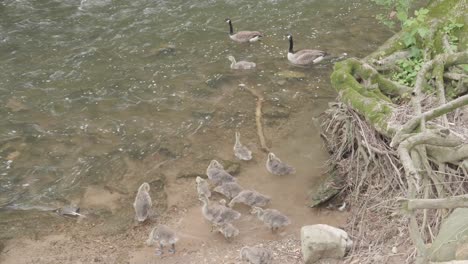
(275,166)
(202,187)
(256,255)
(250,198)
(241,65)
(218,214)
(272,218)
(217,174)
(241,151)
(229,189)
(165,236)
(142,204)
(228,231)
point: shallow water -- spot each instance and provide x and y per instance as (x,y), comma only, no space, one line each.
(99,96)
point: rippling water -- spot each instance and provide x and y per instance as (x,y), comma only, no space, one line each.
(92,89)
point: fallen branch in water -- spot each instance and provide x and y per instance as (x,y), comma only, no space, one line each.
(258,118)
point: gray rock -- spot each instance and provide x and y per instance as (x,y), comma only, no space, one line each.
(323,242)
(452,238)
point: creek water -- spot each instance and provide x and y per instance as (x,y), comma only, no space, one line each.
(98,96)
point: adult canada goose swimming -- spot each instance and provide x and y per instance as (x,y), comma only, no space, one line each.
(241,65)
(305,56)
(243,36)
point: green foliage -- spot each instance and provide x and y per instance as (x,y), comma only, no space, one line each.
(415,28)
(409,70)
(448,29)
(396,8)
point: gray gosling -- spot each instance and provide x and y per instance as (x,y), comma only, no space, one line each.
(229,189)
(241,65)
(218,214)
(142,204)
(165,236)
(250,198)
(241,151)
(256,255)
(243,36)
(275,166)
(217,174)
(202,187)
(273,218)
(228,231)
(303,57)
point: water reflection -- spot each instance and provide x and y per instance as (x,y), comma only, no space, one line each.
(99,92)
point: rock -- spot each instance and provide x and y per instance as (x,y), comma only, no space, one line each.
(323,242)
(452,238)
(326,190)
(291,75)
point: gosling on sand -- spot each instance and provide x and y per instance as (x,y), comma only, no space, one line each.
(202,187)
(275,166)
(250,198)
(241,151)
(256,255)
(142,204)
(165,236)
(272,218)
(217,174)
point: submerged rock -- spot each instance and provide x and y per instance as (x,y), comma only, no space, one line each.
(326,190)
(290,75)
(323,242)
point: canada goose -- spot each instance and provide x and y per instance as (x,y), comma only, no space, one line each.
(241,151)
(229,189)
(250,198)
(256,255)
(243,36)
(142,202)
(217,174)
(165,236)
(228,230)
(273,218)
(241,65)
(218,214)
(275,166)
(305,56)
(202,187)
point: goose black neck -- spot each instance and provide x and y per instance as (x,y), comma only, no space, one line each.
(231,30)
(291,44)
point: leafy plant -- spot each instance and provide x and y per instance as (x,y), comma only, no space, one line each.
(448,29)
(397,9)
(415,27)
(409,71)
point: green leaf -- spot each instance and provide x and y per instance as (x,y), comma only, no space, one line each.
(402,16)
(423,32)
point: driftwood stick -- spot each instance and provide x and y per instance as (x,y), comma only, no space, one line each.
(441,203)
(258,118)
